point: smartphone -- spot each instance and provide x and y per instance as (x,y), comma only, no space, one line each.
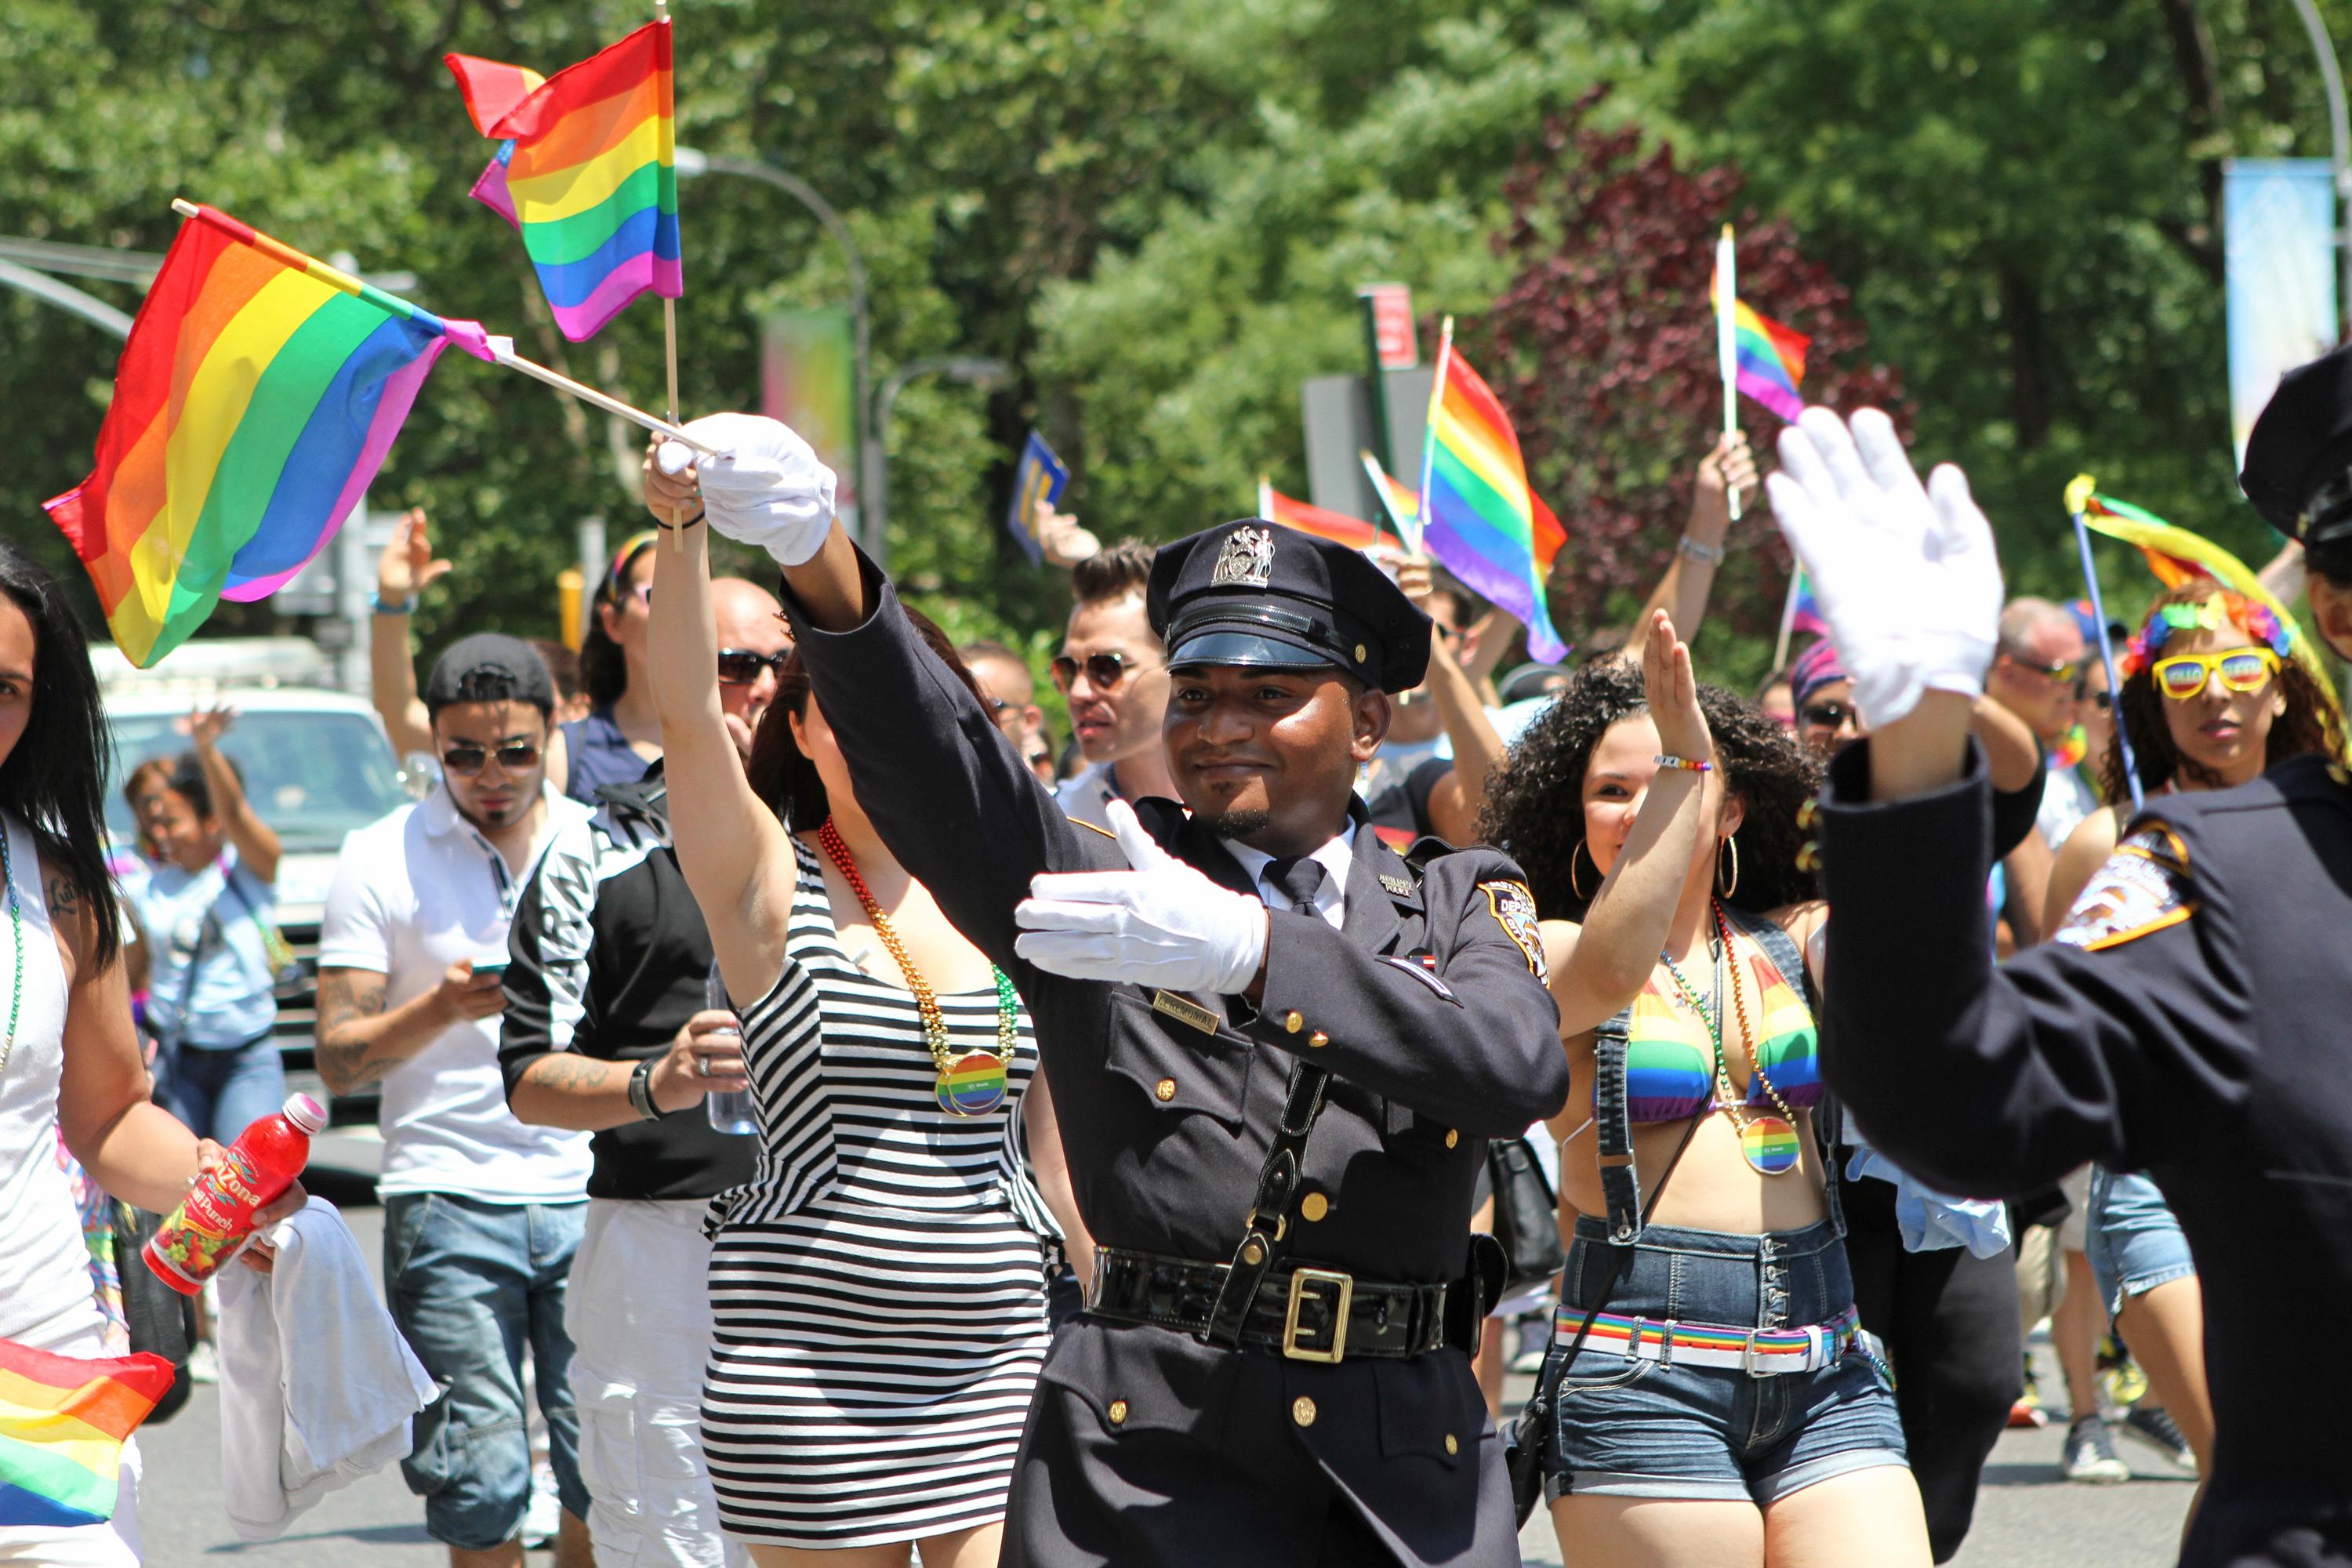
(490,965)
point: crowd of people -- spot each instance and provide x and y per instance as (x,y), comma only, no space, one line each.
(845,1120)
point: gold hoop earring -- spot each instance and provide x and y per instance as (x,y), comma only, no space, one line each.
(1732,842)
(1582,896)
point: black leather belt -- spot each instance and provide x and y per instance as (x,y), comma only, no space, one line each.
(1305,1312)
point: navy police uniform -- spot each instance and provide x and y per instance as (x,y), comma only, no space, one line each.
(2189,1020)
(1273,1366)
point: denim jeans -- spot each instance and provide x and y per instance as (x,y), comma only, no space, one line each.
(471,1284)
(1625,1426)
(220,1093)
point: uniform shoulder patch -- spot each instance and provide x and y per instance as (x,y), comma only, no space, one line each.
(1514,909)
(2143,888)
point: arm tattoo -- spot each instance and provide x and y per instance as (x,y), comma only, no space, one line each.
(567,1073)
(346,997)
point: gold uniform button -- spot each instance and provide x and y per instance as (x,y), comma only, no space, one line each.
(1302,1410)
(1165,1089)
(1452,1136)
(1318,1039)
(1314,1205)
(1359,653)
(1253,1254)
(1118,1417)
(1293,1022)
(1453,1446)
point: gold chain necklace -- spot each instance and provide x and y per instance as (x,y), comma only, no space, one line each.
(972,1084)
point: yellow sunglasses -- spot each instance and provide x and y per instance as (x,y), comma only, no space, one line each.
(2184,675)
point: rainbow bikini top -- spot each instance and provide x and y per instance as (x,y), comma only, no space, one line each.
(1670,1060)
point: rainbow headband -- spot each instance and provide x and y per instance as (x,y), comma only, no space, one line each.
(2254,617)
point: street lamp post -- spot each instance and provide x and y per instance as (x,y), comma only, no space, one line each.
(980,372)
(692,161)
(2339,136)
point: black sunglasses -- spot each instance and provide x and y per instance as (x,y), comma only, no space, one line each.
(514,756)
(1833,716)
(1104,670)
(740,667)
(2104,701)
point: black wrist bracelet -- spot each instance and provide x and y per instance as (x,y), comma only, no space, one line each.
(641,1090)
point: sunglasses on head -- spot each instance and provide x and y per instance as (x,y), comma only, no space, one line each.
(1832,716)
(740,667)
(1104,670)
(514,756)
(2183,675)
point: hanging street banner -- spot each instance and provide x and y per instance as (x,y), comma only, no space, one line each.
(808,379)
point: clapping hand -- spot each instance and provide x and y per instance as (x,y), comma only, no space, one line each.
(1159,923)
(1906,577)
(1672,693)
(407,565)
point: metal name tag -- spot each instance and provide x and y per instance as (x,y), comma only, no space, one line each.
(1184,1010)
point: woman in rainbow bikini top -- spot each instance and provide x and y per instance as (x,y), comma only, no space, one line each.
(1705,1351)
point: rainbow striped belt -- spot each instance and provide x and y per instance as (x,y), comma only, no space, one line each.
(1759,1352)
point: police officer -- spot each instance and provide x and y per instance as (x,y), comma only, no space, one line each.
(1278,1047)
(2189,1018)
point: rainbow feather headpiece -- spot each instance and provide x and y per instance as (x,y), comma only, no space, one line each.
(2222,609)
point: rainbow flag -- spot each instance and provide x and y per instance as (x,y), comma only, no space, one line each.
(1772,357)
(586,172)
(1402,505)
(256,398)
(63,1421)
(1334,526)
(1477,514)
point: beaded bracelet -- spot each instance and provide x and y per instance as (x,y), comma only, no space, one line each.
(1685,763)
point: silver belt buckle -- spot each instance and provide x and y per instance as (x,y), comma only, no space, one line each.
(1344,1285)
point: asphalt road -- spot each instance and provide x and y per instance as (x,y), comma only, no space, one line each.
(2027,1516)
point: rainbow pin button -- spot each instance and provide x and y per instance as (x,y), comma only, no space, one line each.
(973,1085)
(1769,1145)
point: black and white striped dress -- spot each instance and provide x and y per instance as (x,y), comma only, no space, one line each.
(878,1288)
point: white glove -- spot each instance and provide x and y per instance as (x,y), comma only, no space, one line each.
(1905,577)
(769,489)
(1162,924)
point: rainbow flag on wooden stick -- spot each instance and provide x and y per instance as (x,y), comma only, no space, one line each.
(586,172)
(63,1422)
(257,396)
(1321,522)
(1478,514)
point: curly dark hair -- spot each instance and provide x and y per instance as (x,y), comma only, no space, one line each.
(780,771)
(1535,811)
(2312,724)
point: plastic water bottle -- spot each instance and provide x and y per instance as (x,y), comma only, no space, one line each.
(217,1214)
(730,1110)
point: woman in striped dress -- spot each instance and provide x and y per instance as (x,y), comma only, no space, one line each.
(877,1287)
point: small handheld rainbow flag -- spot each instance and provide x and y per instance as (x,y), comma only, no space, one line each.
(1477,514)
(257,396)
(1770,357)
(1403,508)
(1321,522)
(587,173)
(63,1421)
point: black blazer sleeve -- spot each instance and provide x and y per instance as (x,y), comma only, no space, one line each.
(1993,1080)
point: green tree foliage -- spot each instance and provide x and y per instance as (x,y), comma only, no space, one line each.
(1157,211)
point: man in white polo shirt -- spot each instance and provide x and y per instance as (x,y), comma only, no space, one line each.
(481,1213)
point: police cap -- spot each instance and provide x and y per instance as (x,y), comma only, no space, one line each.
(2298,468)
(1254,594)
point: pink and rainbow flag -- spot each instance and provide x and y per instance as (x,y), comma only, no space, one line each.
(1321,522)
(1772,357)
(586,172)
(1478,514)
(257,396)
(63,1422)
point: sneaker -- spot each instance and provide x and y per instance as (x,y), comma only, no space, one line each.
(2027,1411)
(204,1363)
(2155,1427)
(2119,1375)
(541,1515)
(2091,1454)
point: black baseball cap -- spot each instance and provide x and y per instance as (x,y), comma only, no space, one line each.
(2298,469)
(1256,595)
(489,667)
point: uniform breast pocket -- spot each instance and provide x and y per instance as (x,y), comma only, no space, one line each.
(1176,1066)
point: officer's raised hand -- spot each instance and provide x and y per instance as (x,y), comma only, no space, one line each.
(1161,924)
(1907,579)
(766,488)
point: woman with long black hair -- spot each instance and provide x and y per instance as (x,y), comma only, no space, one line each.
(68,1058)
(1713,1397)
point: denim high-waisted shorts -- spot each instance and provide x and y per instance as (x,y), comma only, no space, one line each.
(1625,1427)
(2134,1244)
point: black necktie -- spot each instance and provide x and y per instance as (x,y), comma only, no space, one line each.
(1299,879)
